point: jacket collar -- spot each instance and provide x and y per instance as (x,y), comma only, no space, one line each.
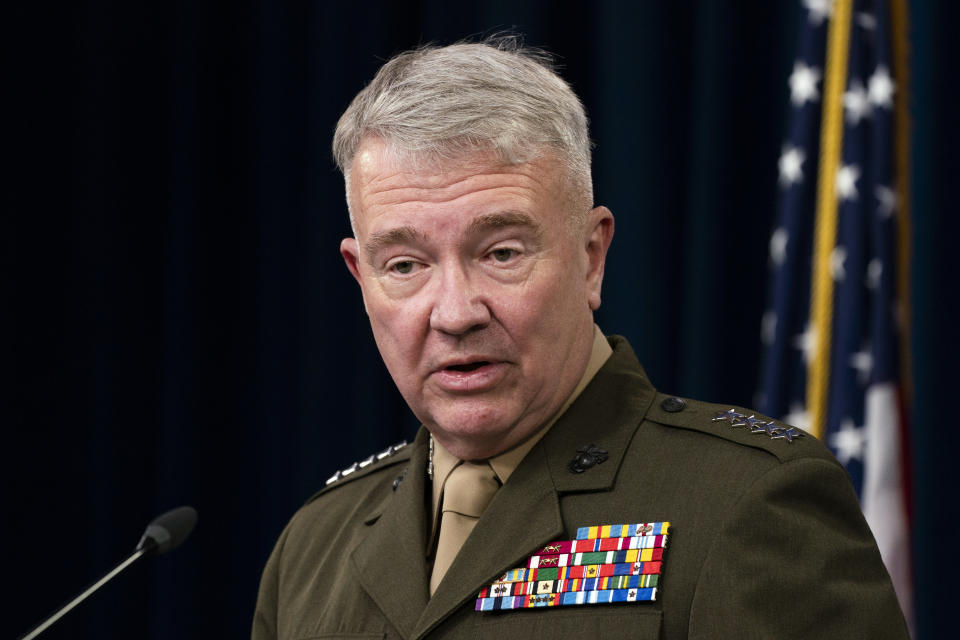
(606,415)
(525,513)
(389,557)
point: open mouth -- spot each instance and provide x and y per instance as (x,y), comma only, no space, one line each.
(473,376)
(472,366)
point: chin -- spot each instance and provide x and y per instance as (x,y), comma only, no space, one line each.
(470,439)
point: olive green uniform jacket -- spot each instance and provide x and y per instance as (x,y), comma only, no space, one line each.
(766,540)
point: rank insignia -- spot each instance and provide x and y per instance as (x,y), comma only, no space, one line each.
(757,425)
(356,466)
(605,564)
(750,422)
(789,434)
(730,415)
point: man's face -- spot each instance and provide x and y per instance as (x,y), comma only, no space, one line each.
(479,290)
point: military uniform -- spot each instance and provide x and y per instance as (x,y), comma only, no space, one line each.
(766,536)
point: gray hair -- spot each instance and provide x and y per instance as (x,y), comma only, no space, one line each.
(441,103)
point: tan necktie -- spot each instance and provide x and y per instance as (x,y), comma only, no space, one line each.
(466,494)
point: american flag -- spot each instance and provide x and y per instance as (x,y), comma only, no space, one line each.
(836,311)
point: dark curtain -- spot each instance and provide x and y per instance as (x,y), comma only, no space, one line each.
(181,328)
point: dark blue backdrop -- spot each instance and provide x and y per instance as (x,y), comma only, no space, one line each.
(182,329)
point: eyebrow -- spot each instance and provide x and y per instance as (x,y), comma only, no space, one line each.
(400,235)
(494,221)
(489,222)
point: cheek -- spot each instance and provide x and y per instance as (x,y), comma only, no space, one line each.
(397,328)
(389,321)
(548,303)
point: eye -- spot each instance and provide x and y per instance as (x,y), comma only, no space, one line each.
(503,254)
(402,265)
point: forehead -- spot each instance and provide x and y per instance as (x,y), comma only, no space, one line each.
(385,185)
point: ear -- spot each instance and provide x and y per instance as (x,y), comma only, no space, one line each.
(351,256)
(599,236)
(350,251)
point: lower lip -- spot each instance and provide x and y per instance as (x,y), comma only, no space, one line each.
(479,379)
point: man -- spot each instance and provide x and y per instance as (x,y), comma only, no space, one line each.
(480,257)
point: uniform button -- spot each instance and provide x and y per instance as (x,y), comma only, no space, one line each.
(673,405)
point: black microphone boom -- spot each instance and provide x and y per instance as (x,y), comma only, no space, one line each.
(164,534)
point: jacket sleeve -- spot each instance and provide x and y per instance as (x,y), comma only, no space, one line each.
(796,559)
(265,615)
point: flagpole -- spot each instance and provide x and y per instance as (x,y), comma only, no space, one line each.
(899,28)
(825,229)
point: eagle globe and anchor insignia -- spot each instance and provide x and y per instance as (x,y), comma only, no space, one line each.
(587,456)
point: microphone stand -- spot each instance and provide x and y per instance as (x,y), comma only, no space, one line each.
(149,546)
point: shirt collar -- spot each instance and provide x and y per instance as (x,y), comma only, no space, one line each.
(506,463)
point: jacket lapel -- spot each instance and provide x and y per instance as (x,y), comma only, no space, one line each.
(523,515)
(390,559)
(606,415)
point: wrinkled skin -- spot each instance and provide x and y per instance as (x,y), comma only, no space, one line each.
(479,287)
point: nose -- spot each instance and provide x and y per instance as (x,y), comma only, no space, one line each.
(458,306)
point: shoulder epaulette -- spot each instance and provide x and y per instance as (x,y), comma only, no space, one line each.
(391,455)
(737,424)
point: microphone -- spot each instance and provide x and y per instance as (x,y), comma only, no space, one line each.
(165,533)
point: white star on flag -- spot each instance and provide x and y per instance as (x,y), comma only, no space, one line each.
(874,272)
(778,246)
(847,176)
(886,200)
(818,10)
(866,21)
(798,416)
(862,361)
(881,88)
(806,342)
(837,259)
(803,84)
(856,104)
(848,442)
(791,165)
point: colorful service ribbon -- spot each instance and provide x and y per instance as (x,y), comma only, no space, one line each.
(604,564)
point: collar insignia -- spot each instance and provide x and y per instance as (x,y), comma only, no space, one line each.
(587,456)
